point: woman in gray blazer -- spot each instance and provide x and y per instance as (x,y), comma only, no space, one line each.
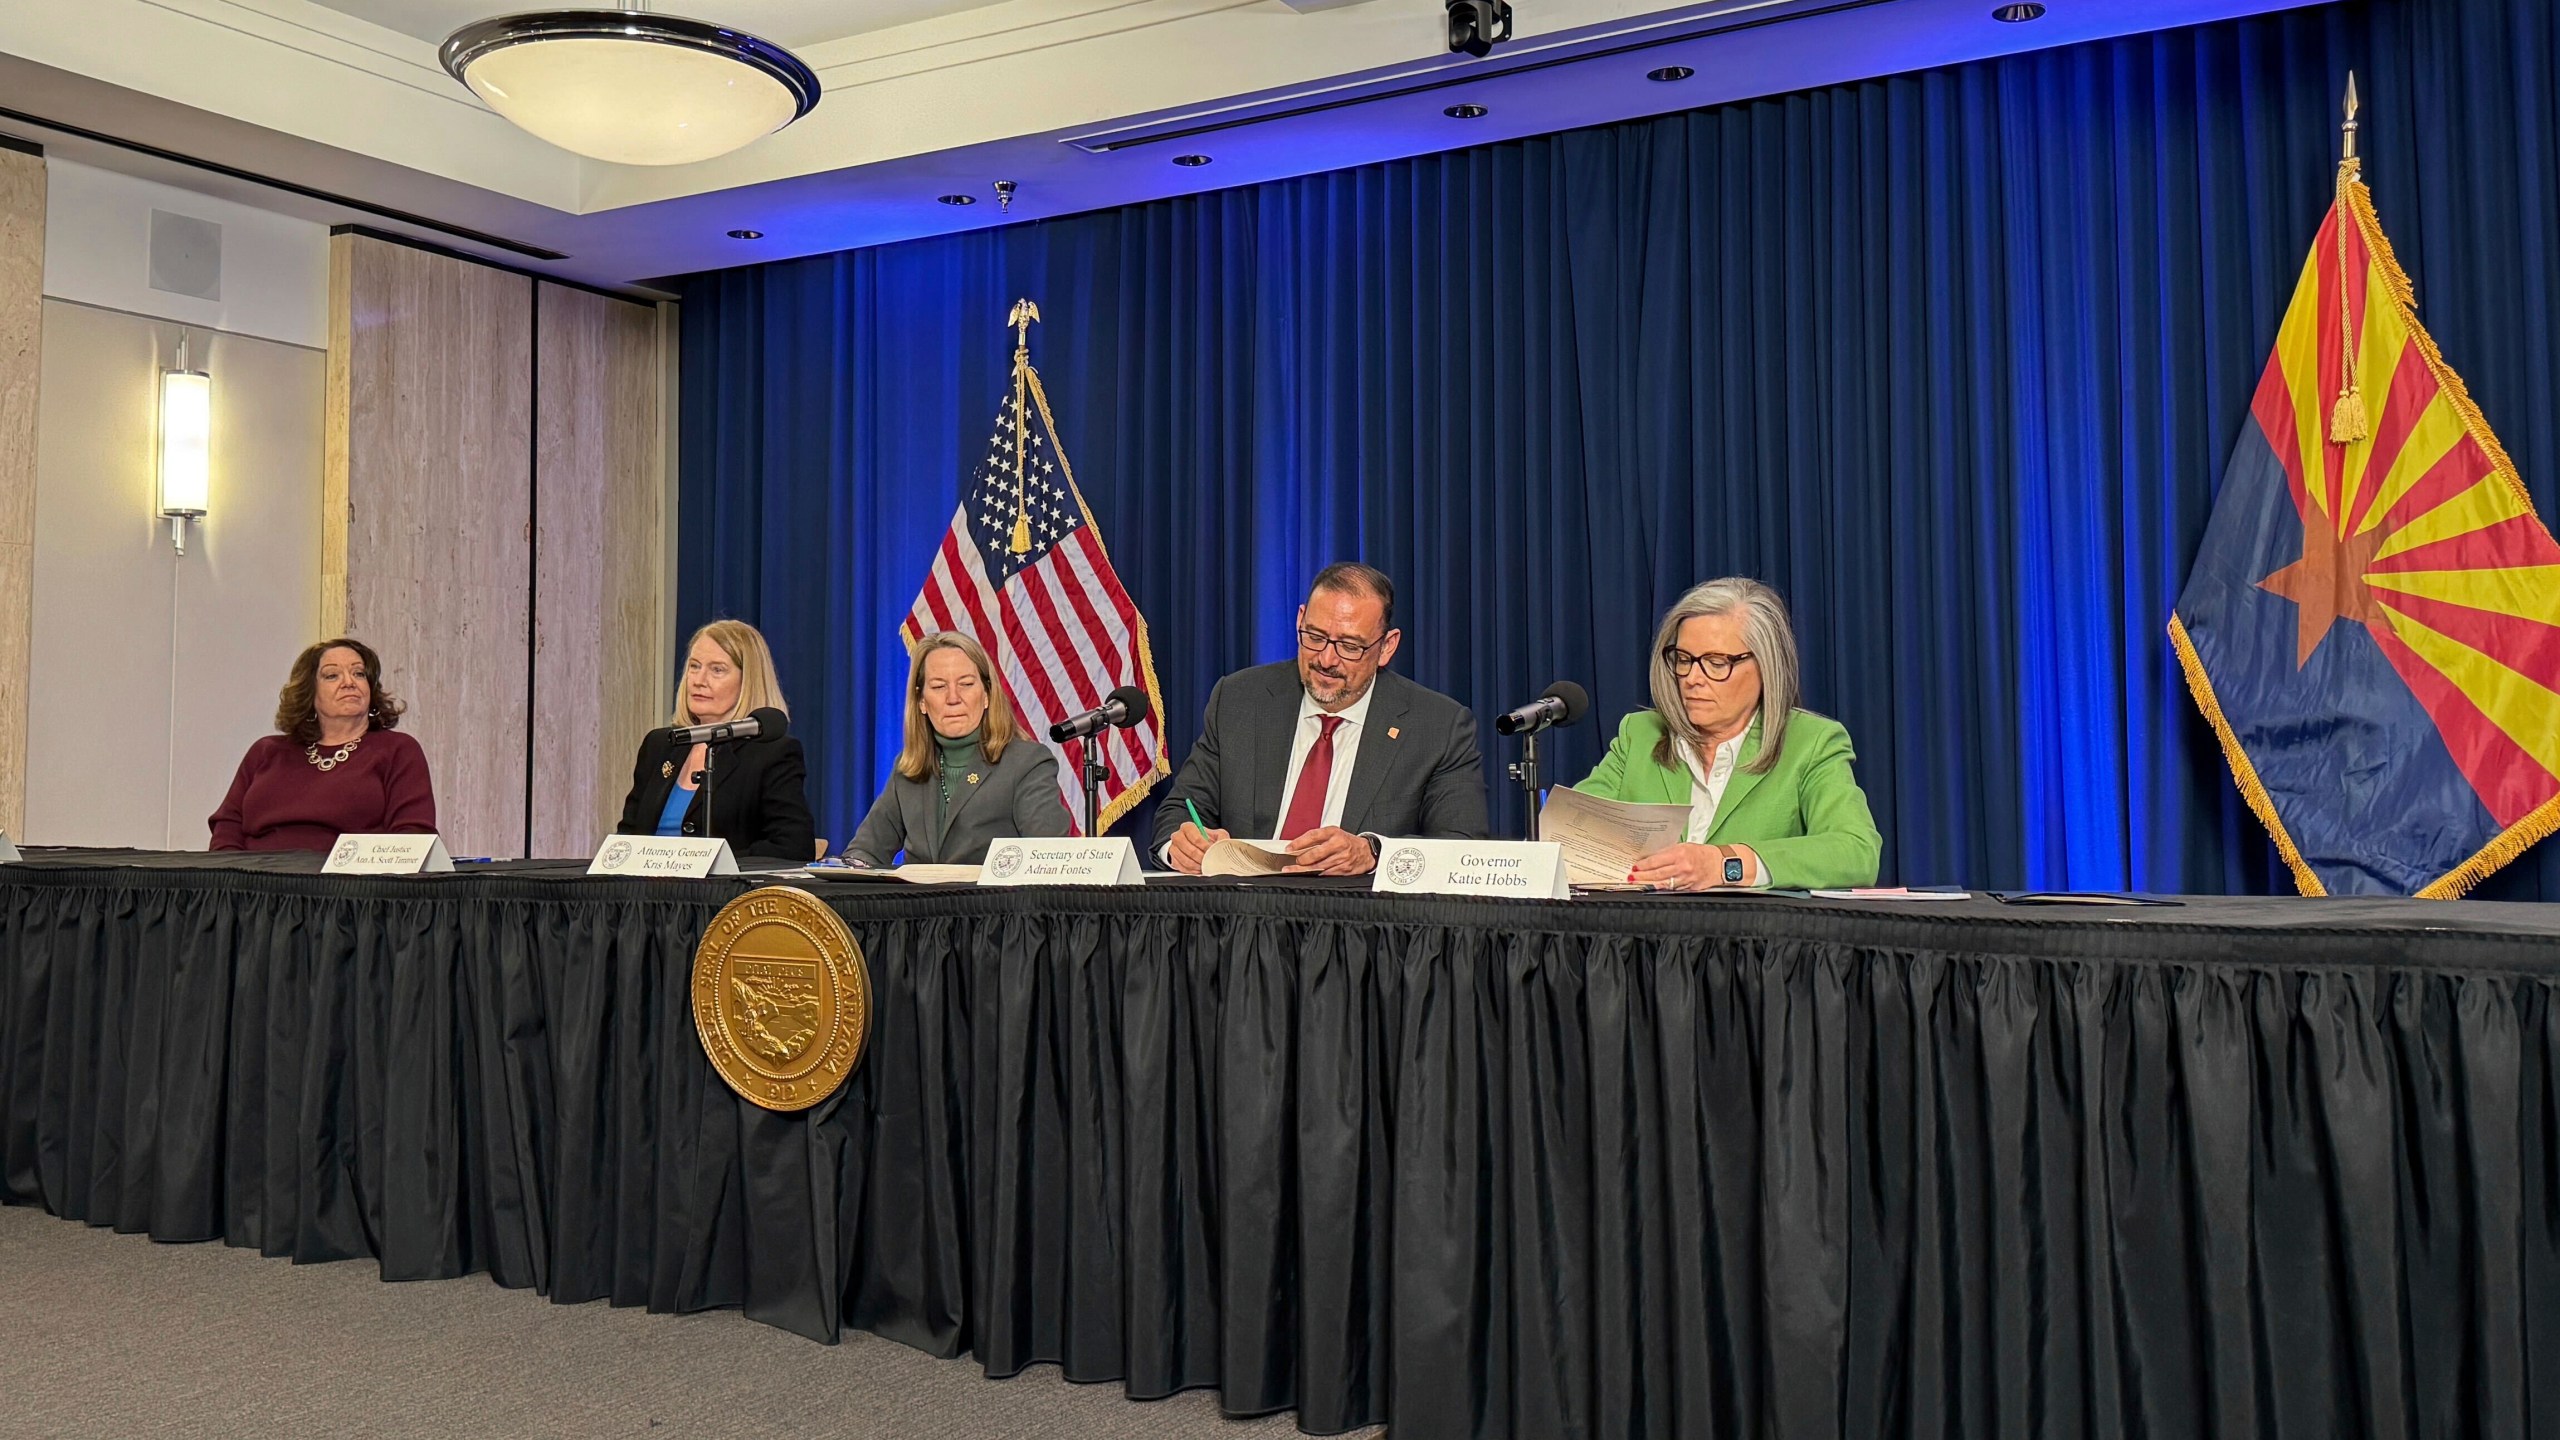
(965,778)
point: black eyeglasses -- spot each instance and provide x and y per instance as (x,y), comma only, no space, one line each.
(1314,641)
(1718,666)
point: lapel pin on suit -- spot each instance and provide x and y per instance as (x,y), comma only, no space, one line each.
(973,777)
(667,770)
(1393,732)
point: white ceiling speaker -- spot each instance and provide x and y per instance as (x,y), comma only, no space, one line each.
(631,87)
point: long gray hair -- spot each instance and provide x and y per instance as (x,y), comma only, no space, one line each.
(1772,639)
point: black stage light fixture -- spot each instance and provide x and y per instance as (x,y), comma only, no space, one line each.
(1476,26)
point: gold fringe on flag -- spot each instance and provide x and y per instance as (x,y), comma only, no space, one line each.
(2243,773)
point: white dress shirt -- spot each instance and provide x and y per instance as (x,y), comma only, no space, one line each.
(1707,783)
(1346,749)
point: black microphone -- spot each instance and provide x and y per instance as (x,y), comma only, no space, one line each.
(766,724)
(1563,704)
(1123,707)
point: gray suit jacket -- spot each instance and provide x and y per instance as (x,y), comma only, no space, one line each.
(1417,772)
(1017,795)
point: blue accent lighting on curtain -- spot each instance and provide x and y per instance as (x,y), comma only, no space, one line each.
(1952,359)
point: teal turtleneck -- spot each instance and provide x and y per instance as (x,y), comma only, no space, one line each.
(954,756)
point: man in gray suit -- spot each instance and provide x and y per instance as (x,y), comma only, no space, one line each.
(1329,753)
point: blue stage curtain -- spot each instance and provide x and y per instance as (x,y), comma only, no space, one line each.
(1953,359)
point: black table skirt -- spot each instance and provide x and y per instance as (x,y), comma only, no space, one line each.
(1734,1167)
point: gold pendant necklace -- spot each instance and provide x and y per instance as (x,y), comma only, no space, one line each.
(330,762)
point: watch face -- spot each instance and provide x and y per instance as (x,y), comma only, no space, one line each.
(1733,870)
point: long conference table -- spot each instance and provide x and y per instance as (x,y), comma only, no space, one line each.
(1637,1166)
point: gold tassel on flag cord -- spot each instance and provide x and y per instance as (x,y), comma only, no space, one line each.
(2347,421)
(1024,312)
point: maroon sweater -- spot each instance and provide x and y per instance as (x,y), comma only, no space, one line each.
(281,801)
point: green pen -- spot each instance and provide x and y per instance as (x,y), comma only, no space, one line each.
(1195,814)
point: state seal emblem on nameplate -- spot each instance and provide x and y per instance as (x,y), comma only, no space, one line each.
(781,998)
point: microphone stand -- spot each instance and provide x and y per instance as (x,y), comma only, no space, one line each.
(1525,770)
(710,752)
(1095,772)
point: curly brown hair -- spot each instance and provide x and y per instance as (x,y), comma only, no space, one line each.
(297,705)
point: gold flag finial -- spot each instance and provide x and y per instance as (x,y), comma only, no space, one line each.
(2348,422)
(1023,316)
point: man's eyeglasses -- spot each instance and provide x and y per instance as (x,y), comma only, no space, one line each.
(1718,666)
(1314,641)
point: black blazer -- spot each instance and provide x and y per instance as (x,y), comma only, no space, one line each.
(1417,772)
(759,796)
(1013,797)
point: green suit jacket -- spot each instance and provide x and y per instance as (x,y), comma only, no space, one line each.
(1806,818)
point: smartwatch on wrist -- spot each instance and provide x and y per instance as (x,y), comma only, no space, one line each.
(1733,869)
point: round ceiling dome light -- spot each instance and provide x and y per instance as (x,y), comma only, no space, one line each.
(631,87)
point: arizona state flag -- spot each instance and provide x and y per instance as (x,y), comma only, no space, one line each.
(2373,623)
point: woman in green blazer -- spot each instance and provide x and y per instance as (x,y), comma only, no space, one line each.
(1783,811)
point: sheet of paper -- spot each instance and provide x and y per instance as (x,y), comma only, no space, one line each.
(911,874)
(937,874)
(1245,857)
(1603,839)
(1891,892)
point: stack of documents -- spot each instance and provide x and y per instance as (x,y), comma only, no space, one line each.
(1603,839)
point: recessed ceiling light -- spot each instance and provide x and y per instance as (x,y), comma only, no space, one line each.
(1194,161)
(746,234)
(957,199)
(2018,14)
(1466,112)
(1669,73)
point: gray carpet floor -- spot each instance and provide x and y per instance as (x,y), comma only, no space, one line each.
(111,1335)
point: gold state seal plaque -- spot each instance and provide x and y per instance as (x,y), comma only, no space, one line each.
(781,998)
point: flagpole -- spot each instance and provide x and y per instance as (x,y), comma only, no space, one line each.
(2348,422)
(1024,312)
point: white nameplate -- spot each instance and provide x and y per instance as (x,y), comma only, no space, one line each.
(1111,860)
(9,850)
(1519,869)
(388,855)
(672,857)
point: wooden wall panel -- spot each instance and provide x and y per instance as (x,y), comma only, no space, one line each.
(21,330)
(600,651)
(429,497)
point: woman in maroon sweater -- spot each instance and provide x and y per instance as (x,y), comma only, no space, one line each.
(338,768)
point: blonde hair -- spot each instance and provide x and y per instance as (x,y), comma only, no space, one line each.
(1766,629)
(916,760)
(758,687)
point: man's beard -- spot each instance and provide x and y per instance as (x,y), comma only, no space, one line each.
(1327,689)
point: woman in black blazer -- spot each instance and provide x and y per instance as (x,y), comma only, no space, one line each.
(759,788)
(965,779)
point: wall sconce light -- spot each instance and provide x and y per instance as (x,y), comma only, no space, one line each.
(186,445)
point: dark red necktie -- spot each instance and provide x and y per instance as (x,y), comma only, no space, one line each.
(1306,808)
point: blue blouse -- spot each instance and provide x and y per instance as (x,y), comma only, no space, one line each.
(679,800)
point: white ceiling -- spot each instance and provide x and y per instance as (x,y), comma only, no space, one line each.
(785,22)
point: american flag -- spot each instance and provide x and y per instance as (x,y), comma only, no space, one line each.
(1061,630)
